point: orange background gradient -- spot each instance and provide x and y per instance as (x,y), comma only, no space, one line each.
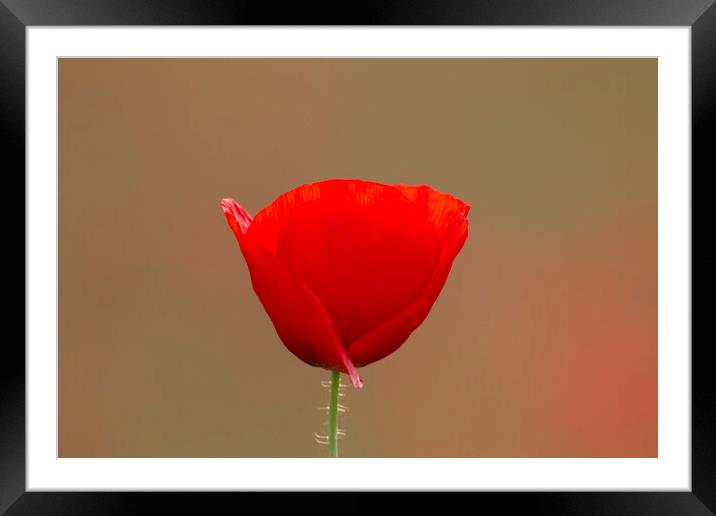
(543,342)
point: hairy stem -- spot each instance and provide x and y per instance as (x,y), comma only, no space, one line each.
(333,415)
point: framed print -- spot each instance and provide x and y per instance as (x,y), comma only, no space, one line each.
(449,247)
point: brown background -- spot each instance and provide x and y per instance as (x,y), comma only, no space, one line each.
(543,342)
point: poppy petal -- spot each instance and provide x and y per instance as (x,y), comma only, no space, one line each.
(362,248)
(448,214)
(297,314)
(449,217)
(238,218)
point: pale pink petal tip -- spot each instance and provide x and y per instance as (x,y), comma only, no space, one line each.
(231,207)
(355,379)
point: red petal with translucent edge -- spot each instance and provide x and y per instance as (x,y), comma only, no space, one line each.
(300,320)
(448,215)
(363,249)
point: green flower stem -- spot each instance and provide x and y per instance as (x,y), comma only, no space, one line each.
(333,415)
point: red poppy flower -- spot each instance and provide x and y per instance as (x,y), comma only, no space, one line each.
(347,269)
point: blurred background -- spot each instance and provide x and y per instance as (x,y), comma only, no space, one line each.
(543,342)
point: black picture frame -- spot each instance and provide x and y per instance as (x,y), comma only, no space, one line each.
(17,15)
